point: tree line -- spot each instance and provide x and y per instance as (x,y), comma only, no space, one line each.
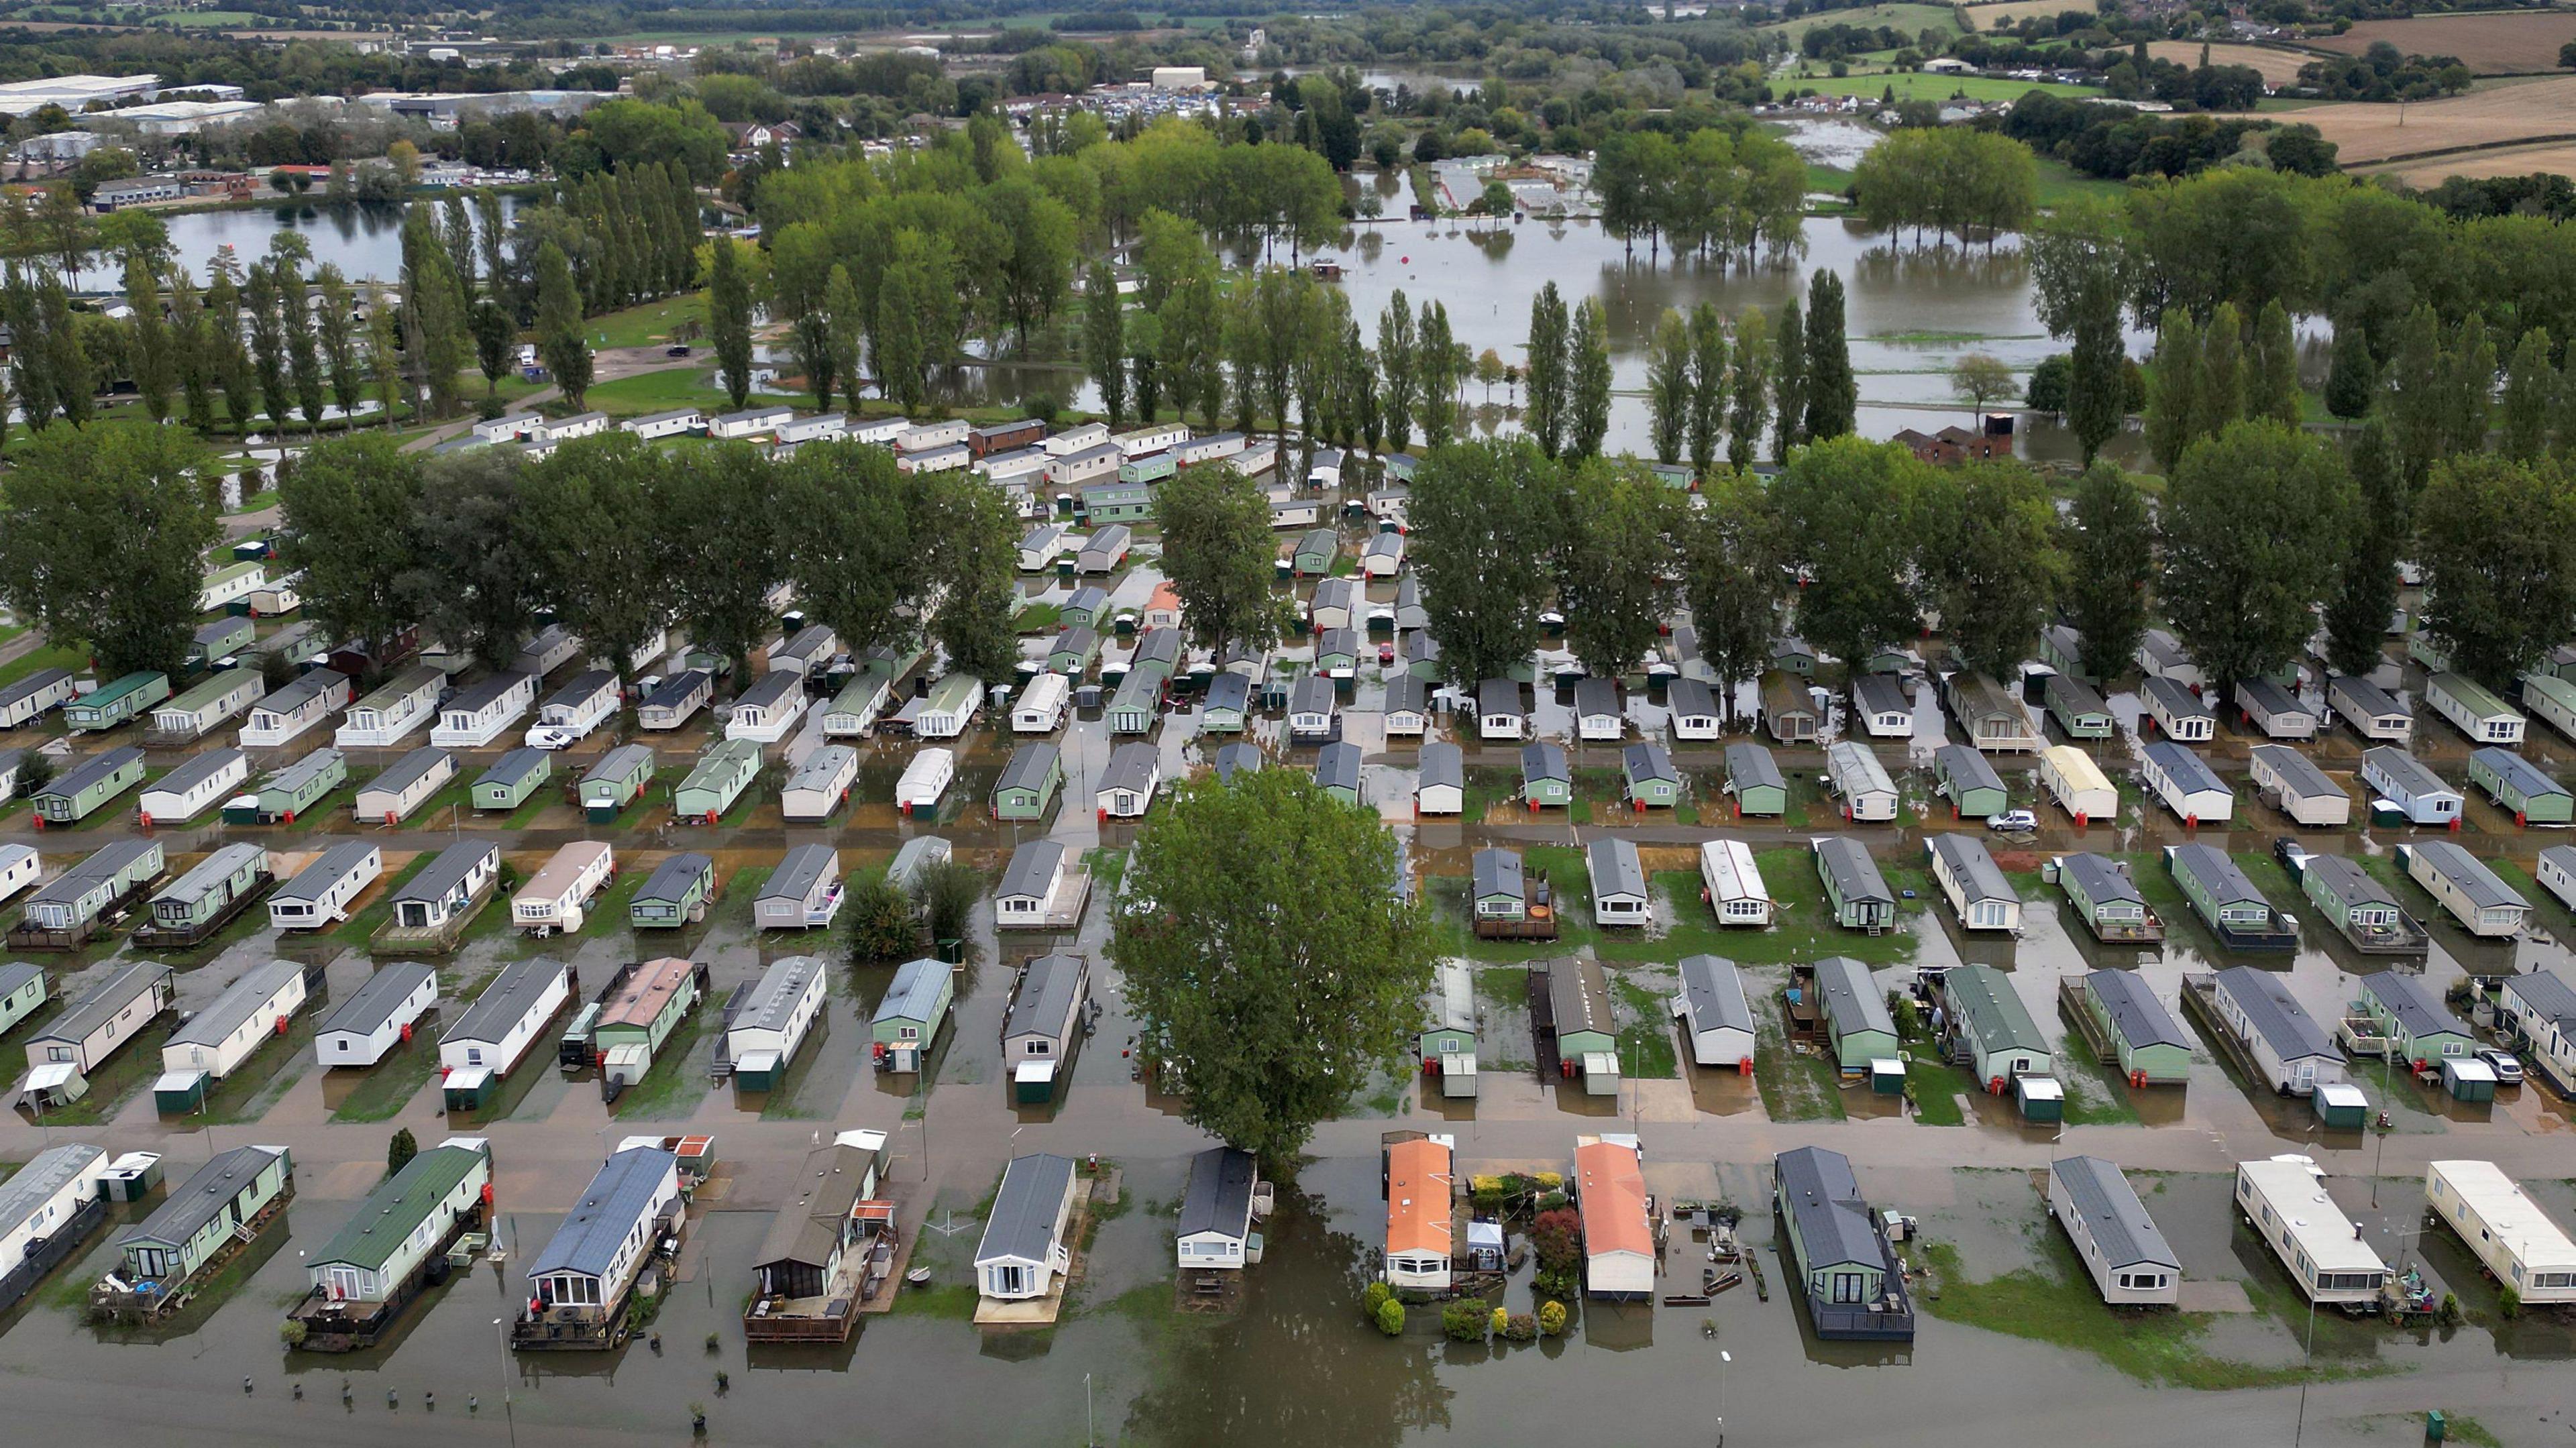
(1707,382)
(1947,180)
(1722,190)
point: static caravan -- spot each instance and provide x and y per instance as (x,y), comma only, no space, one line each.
(983,442)
(1499,714)
(853,712)
(48,1209)
(296,790)
(1082,437)
(220,640)
(1844,1266)
(1619,1252)
(557,897)
(750,422)
(1042,887)
(1788,710)
(1852,1013)
(1040,545)
(2480,901)
(224,1201)
(2370,710)
(2147,1042)
(1228,705)
(2291,783)
(1716,1021)
(251,1012)
(361,1279)
(1135,771)
(377,1016)
(497,1029)
(676,700)
(2161,655)
(193,787)
(2505,1229)
(2284,1200)
(949,707)
(2131,1263)
(1103,551)
(1073,651)
(764,1033)
(1043,1022)
(2226,901)
(723,774)
(2556,874)
(2365,910)
(615,782)
(1586,1028)
(2185,784)
(639,1015)
(1337,654)
(925,779)
(803,893)
(289,712)
(552,648)
(1991,1027)
(2474,711)
(508,429)
(580,1283)
(1649,778)
(1139,700)
(22,702)
(1027,786)
(2274,710)
(586,701)
(87,787)
(1213,447)
(2078,710)
(1152,438)
(2290,1052)
(69,908)
(440,892)
(935,460)
(512,780)
(676,894)
(1753,777)
(2405,782)
(1855,891)
(481,713)
(1127,496)
(676,423)
(229,585)
(405,785)
(1314,713)
(2553,699)
(1880,704)
(1447,1044)
(806,651)
(2078,785)
(1547,780)
(404,703)
(1975,886)
(1619,892)
(194,714)
(2411,1019)
(908,1017)
(1440,780)
(2537,1011)
(2175,709)
(1025,1247)
(62,1054)
(117,702)
(1383,555)
(2106,897)
(1406,711)
(1040,707)
(820,784)
(1733,883)
(1091,465)
(769,709)
(1991,717)
(318,896)
(1421,1213)
(822,427)
(2519,788)
(19,867)
(1692,710)
(1867,793)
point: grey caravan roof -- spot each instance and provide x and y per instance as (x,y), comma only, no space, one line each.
(1235,758)
(2101,879)
(2135,1013)
(1855,875)
(518,764)
(407,771)
(1498,696)
(2269,697)
(2118,1221)
(1311,694)
(2179,702)
(447,871)
(675,688)
(32,685)
(796,874)
(90,771)
(1965,766)
(1029,768)
(1715,991)
(588,1240)
(672,878)
(1032,865)
(1158,646)
(2512,769)
(1022,1224)
(508,999)
(13,978)
(1045,997)
(2297,773)
(774,996)
(1973,867)
(1880,694)
(2356,695)
(1832,1222)
(292,695)
(1750,766)
(1130,767)
(1442,764)
(1406,694)
(1542,760)
(374,1001)
(618,763)
(772,688)
(52,1169)
(1229,691)
(202,1197)
(1648,761)
(1219,1195)
(2349,882)
(1498,872)
(2405,770)
(2470,874)
(2406,999)
(2183,767)
(2546,994)
(1614,868)
(240,1001)
(1337,766)
(199,768)
(1689,699)
(1595,696)
(578,689)
(1409,610)
(215,869)
(490,690)
(916,855)
(111,859)
(2271,1012)
(325,871)
(100,1004)
(915,992)
(2218,876)
(1851,997)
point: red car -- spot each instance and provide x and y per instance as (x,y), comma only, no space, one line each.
(1386,653)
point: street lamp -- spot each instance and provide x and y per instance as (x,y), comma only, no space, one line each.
(1723,1358)
(2307,1369)
(501,1335)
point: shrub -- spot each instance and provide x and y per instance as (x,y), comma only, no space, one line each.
(1551,1201)
(1487,1198)
(1500,1321)
(291,1332)
(400,1150)
(1557,1237)
(1551,1319)
(1373,1298)
(1549,1181)
(1521,1327)
(882,926)
(1463,1321)
(1554,1282)
(2509,1302)
(1390,1318)
(946,893)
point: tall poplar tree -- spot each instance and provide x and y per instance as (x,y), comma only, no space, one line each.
(1832,392)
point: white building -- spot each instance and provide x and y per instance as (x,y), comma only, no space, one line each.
(820,784)
(375,1017)
(2131,1263)
(318,896)
(2284,1199)
(497,1029)
(557,897)
(1024,1248)
(295,708)
(2504,1229)
(1734,883)
(481,713)
(769,709)
(1715,1018)
(402,704)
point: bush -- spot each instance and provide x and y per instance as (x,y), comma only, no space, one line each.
(1549,1181)
(1557,1237)
(1552,1201)
(1487,1198)
(2509,1302)
(1390,1318)
(1463,1321)
(400,1150)
(1499,1321)
(946,894)
(1521,1327)
(882,926)
(291,1332)
(1551,1319)
(1554,1282)
(1374,1298)
(35,771)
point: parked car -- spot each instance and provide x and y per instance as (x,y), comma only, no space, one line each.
(2292,855)
(1385,654)
(2508,1066)
(550,737)
(676,349)
(2013,822)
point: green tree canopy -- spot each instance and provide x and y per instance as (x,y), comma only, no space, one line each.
(1481,513)
(103,532)
(1217,552)
(2498,544)
(2254,521)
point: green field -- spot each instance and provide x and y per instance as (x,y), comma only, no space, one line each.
(2058,184)
(1912,19)
(659,392)
(647,324)
(1917,86)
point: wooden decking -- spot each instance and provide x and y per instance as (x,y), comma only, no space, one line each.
(395,940)
(151,936)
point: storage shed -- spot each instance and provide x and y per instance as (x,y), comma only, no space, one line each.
(2291,783)
(2130,1262)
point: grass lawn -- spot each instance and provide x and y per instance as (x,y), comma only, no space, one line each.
(692,385)
(52,656)
(1935,1085)
(1037,618)
(256,1085)
(1646,1049)
(1918,86)
(2059,184)
(671,1090)
(1795,1085)
(653,322)
(1912,19)
(353,932)
(393,1081)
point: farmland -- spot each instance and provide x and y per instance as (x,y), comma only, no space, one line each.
(1912,19)
(2277,67)
(1991,17)
(2522,43)
(2556,157)
(2537,111)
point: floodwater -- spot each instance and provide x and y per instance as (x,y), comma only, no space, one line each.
(363,239)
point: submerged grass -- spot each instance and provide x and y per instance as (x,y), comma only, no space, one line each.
(1794,1085)
(1936,1086)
